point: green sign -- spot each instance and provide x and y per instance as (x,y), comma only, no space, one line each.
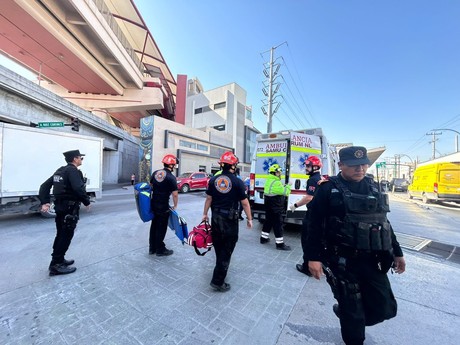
(381,165)
(50,124)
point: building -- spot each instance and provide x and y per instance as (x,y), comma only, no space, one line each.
(222,109)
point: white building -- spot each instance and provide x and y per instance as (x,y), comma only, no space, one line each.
(223,109)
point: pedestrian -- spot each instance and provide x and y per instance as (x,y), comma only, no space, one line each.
(223,194)
(133,179)
(164,184)
(350,237)
(275,193)
(69,191)
(313,169)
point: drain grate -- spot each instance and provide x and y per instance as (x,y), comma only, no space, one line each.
(445,251)
(412,242)
(426,246)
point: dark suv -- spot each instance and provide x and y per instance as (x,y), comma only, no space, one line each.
(399,185)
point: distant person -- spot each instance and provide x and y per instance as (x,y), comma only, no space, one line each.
(164,184)
(275,194)
(351,240)
(312,168)
(69,191)
(133,179)
(224,193)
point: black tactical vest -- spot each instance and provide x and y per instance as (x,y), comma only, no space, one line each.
(60,182)
(365,226)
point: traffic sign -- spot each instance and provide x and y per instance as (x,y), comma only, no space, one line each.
(50,124)
(381,165)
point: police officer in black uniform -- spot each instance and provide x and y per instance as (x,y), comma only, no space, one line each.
(69,191)
(351,240)
(312,168)
(224,193)
(163,184)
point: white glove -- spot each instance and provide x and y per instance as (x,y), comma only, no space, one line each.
(292,207)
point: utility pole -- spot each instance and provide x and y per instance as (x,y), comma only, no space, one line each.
(434,134)
(272,88)
(452,130)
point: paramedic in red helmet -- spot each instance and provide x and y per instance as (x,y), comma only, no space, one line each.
(224,193)
(313,169)
(163,184)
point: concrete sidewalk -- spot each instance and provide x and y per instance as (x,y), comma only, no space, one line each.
(126,296)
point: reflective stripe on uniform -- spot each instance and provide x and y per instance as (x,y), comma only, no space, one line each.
(264,234)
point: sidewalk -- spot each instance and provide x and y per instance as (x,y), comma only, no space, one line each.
(121,295)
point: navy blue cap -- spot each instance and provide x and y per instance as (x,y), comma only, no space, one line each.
(353,155)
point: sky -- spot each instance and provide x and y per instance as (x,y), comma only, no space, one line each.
(371,73)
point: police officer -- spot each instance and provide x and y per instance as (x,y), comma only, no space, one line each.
(164,184)
(275,193)
(224,193)
(312,168)
(351,238)
(69,191)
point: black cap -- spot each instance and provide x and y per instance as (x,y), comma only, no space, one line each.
(353,155)
(70,155)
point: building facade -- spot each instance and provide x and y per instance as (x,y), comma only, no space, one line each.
(223,109)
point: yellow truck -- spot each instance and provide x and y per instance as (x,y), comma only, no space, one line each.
(435,182)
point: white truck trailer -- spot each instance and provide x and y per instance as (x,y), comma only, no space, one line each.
(289,149)
(28,156)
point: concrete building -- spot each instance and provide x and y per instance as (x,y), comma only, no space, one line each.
(222,109)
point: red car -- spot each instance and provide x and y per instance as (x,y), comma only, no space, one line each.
(192,180)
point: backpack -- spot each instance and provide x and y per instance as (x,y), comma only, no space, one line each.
(200,237)
(142,192)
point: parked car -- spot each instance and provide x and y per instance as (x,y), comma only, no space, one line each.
(192,181)
(399,185)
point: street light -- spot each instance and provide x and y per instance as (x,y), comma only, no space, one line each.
(452,130)
(398,163)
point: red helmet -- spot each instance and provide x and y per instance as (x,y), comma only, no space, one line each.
(313,160)
(170,160)
(229,158)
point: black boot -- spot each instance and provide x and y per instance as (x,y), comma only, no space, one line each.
(303,268)
(165,252)
(264,240)
(58,269)
(68,262)
(65,263)
(282,246)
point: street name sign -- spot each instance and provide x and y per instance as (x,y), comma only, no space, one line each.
(50,124)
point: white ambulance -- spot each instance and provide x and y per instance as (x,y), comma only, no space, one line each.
(289,149)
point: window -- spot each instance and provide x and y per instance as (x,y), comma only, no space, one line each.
(202,147)
(202,109)
(189,144)
(220,105)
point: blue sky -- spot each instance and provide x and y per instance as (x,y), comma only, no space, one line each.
(375,73)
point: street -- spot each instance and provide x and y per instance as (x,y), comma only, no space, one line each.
(121,295)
